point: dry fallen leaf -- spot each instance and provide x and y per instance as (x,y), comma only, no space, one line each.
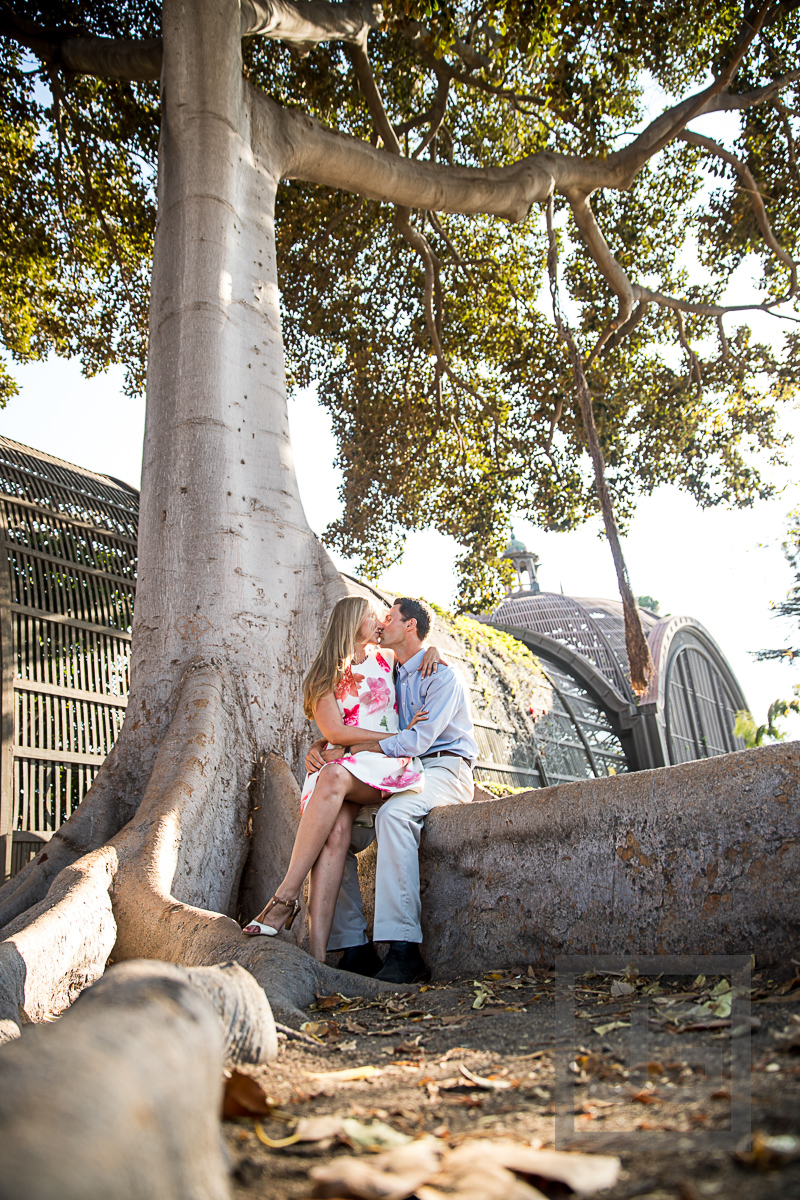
(375,1136)
(481,1082)
(721,1007)
(645,1097)
(602,1066)
(620,988)
(465,1171)
(789,1040)
(318,1129)
(344,1076)
(604,1029)
(478,1181)
(408,1047)
(335,1000)
(700,1026)
(652,1067)
(244,1097)
(766,1152)
(452,1053)
(483,993)
(274,1143)
(391,1176)
(316,1029)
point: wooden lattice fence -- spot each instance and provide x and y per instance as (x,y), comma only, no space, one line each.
(67,583)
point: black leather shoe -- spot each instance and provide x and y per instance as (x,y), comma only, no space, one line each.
(361,960)
(403,964)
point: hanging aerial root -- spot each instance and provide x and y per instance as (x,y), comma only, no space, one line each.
(121,1097)
(640,660)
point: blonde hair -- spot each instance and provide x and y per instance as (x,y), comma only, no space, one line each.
(335,653)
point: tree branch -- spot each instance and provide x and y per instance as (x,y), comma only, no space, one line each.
(620,334)
(108,58)
(517,100)
(606,262)
(59,101)
(437,112)
(377,110)
(750,186)
(305,23)
(432,295)
(731,102)
(695,370)
(662,131)
(302,24)
(723,341)
(700,308)
(421,37)
(319,155)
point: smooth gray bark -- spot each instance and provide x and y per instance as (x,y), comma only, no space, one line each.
(121,1097)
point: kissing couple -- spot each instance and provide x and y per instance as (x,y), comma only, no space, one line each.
(398,741)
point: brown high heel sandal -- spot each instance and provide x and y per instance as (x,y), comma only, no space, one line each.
(256,929)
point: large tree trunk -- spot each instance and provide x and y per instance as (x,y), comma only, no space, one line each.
(232,593)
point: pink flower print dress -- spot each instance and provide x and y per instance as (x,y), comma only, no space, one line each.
(366,698)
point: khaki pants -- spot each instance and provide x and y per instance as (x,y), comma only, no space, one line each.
(398,828)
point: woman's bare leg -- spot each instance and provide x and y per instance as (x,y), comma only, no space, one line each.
(326,879)
(334,784)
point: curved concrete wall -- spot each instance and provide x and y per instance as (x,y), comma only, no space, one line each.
(696,859)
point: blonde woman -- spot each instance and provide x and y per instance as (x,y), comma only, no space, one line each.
(349,691)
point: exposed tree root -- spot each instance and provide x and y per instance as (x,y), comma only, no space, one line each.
(110,802)
(51,953)
(121,1097)
(161,888)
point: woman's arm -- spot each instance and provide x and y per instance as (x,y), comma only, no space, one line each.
(334,730)
(317,755)
(431,659)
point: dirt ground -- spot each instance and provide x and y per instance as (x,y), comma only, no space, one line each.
(478,1059)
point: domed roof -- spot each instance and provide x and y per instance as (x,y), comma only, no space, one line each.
(515,546)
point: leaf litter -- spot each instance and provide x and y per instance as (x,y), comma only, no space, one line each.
(444,1101)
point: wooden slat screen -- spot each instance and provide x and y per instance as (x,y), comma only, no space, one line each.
(67,586)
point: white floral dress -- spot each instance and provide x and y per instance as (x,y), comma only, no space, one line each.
(366,698)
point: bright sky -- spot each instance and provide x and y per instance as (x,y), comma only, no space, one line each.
(721,567)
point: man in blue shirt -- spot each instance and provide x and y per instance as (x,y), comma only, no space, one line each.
(445,742)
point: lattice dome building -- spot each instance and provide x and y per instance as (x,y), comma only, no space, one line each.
(687,713)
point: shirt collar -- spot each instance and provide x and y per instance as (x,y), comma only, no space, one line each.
(413,663)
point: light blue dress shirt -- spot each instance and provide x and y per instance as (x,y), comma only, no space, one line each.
(449,725)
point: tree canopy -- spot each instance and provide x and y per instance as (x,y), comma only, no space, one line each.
(790,607)
(429,336)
